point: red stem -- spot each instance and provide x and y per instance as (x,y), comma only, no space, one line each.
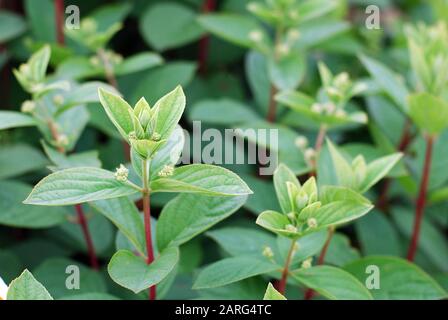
(59,19)
(421,200)
(147,220)
(85,229)
(282,283)
(309,294)
(204,43)
(149,249)
(272,109)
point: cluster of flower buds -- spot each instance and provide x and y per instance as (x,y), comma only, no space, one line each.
(306,264)
(276,12)
(428,47)
(267,252)
(166,171)
(28,106)
(359,168)
(90,36)
(304,203)
(339,88)
(144,139)
(121,173)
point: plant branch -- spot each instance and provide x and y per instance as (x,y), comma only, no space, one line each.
(403,144)
(79,211)
(85,230)
(108,68)
(147,220)
(204,43)
(421,200)
(309,294)
(282,283)
(59,21)
(272,109)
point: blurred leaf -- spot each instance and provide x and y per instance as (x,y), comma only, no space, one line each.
(399,279)
(26,287)
(181,30)
(15,160)
(12,119)
(11,26)
(332,283)
(187,215)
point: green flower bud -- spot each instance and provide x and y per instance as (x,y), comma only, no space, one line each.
(121,173)
(307,263)
(312,223)
(267,252)
(166,171)
(290,228)
(301,200)
(28,106)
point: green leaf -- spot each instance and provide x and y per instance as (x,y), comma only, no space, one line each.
(377,235)
(187,215)
(282,175)
(272,294)
(132,272)
(52,273)
(11,26)
(84,94)
(340,205)
(15,214)
(389,81)
(275,222)
(83,159)
(378,169)
(222,111)
(238,241)
(399,279)
(14,160)
(138,62)
(231,27)
(429,113)
(26,287)
(202,178)
(181,30)
(432,242)
(118,111)
(125,216)
(231,270)
(333,283)
(343,170)
(287,72)
(78,185)
(12,119)
(169,110)
(160,80)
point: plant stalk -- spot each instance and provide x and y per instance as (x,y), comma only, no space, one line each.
(282,283)
(421,200)
(59,21)
(309,294)
(79,211)
(85,230)
(147,221)
(405,140)
(204,43)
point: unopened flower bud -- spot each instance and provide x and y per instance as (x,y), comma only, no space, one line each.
(166,171)
(293,34)
(283,49)
(28,106)
(312,223)
(301,142)
(132,135)
(155,136)
(291,216)
(62,140)
(310,155)
(290,228)
(301,200)
(24,69)
(333,92)
(306,264)
(88,25)
(252,6)
(317,108)
(267,252)
(342,80)
(95,61)
(58,99)
(340,113)
(121,173)
(256,35)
